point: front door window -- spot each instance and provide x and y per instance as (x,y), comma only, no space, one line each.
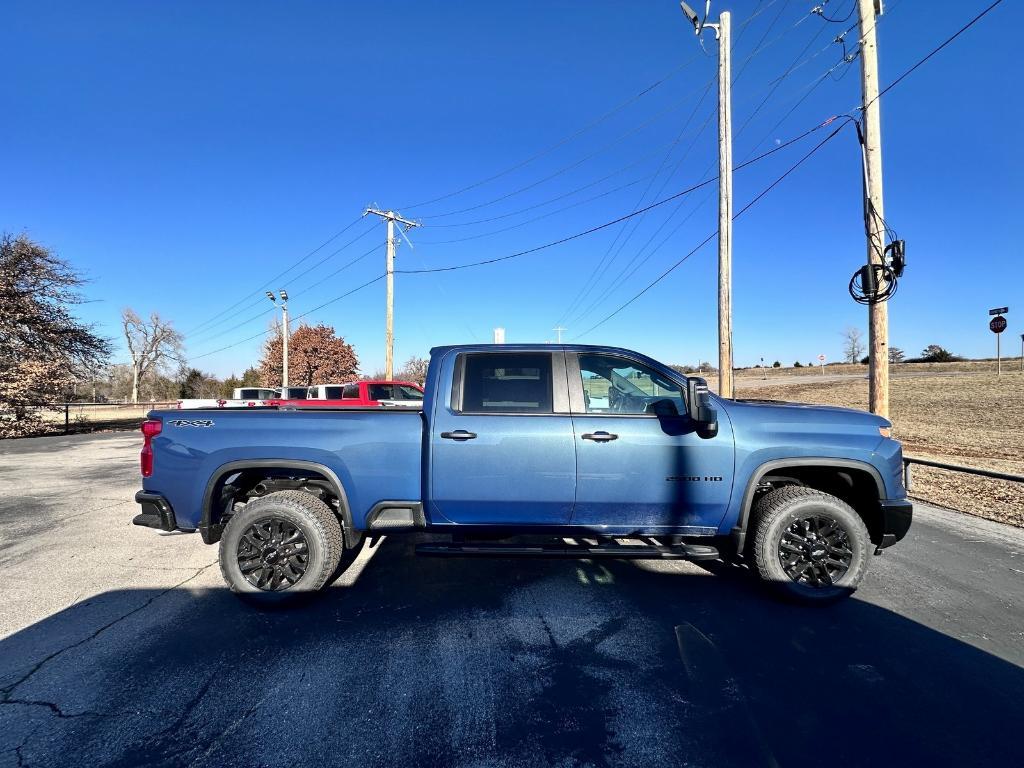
(614,385)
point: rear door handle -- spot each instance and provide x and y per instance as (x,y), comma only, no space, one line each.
(600,437)
(458,434)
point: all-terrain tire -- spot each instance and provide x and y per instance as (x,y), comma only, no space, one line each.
(801,537)
(275,523)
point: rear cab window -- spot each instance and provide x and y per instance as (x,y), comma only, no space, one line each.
(504,383)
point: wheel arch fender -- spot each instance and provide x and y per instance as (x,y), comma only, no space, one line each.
(739,531)
(210,530)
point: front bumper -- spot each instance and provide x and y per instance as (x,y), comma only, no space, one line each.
(156,512)
(896,518)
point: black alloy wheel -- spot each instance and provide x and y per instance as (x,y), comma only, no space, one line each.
(273,554)
(815,551)
(808,545)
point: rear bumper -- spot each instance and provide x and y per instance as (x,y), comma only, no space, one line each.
(896,518)
(156,512)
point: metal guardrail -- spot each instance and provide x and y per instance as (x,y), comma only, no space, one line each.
(909,461)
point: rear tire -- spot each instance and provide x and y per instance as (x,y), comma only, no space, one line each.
(809,545)
(280,546)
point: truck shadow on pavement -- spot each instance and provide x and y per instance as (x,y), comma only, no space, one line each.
(501,662)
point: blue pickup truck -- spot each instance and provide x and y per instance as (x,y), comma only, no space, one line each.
(533,450)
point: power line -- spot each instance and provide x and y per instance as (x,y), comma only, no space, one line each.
(566,168)
(810,88)
(934,51)
(613,222)
(779,81)
(820,10)
(262,313)
(764,192)
(297,317)
(577,190)
(608,257)
(631,267)
(322,245)
(757,47)
(574,135)
(289,284)
(712,236)
(565,140)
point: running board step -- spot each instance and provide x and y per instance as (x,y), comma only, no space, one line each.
(632,552)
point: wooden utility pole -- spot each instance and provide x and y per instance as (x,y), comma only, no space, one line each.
(389,330)
(723,33)
(878,312)
(725,386)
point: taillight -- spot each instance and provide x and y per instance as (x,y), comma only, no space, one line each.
(150,429)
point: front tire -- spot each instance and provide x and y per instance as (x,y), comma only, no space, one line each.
(280,546)
(809,545)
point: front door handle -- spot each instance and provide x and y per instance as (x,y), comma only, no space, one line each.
(600,437)
(458,434)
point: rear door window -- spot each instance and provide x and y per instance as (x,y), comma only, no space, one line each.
(507,383)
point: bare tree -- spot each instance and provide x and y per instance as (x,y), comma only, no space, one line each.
(853,344)
(151,345)
(415,369)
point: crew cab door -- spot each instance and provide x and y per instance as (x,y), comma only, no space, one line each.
(637,468)
(501,446)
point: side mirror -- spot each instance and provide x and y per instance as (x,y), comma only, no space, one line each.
(698,405)
(662,408)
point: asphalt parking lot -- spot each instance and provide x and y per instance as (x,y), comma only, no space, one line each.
(120,646)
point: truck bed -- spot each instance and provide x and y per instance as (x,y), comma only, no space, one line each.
(382,448)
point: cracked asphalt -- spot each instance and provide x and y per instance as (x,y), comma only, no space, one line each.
(119,646)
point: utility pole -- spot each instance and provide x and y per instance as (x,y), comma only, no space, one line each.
(878,312)
(284,333)
(723,33)
(389,332)
(558,329)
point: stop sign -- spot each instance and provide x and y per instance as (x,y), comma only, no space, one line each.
(997,324)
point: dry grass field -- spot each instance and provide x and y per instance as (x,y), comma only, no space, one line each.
(974,419)
(897,369)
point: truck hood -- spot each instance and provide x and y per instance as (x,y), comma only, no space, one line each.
(781,409)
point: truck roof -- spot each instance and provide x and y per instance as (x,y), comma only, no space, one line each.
(531,348)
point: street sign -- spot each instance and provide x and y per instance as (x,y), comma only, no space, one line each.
(821,358)
(999,311)
(997,324)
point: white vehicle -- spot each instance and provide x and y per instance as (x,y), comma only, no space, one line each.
(254,393)
(199,403)
(242,397)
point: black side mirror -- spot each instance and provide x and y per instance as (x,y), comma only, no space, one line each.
(662,408)
(699,409)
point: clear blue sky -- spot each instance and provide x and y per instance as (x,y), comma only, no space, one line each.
(181,154)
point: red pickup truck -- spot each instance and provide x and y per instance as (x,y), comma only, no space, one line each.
(361,394)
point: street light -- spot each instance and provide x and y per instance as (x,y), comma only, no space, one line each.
(284,334)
